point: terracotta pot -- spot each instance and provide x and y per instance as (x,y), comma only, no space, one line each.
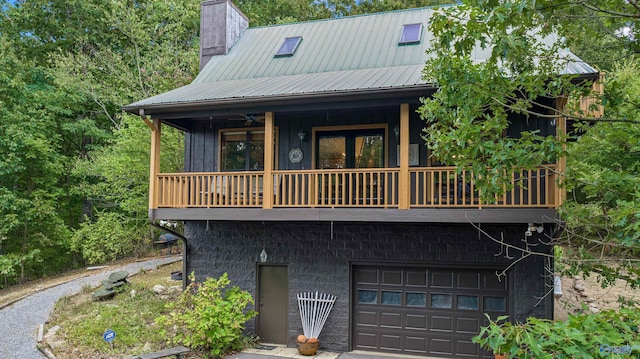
(308,348)
(500,356)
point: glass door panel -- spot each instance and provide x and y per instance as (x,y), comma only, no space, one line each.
(369,151)
(332,152)
(350,149)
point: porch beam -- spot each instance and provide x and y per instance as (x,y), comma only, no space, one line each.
(520,216)
(267,197)
(403,176)
(154,166)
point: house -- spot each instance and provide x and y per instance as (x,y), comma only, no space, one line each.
(303,144)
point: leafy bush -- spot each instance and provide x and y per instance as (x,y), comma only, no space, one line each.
(608,334)
(207,316)
(108,238)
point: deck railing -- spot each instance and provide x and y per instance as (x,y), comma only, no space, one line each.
(430,187)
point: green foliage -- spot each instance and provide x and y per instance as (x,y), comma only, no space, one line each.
(468,115)
(208,316)
(269,12)
(104,240)
(472,108)
(603,215)
(608,334)
(83,321)
(601,33)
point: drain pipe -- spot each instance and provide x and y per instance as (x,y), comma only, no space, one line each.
(185,277)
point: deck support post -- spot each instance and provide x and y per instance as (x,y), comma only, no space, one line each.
(561,163)
(154,167)
(403,176)
(269,143)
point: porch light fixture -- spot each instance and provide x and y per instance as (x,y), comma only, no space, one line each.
(533,228)
(263,256)
(302,135)
(396,131)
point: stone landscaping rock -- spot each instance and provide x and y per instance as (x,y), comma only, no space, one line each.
(159,289)
(111,285)
(103,293)
(118,276)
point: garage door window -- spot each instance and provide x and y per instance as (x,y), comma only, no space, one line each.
(442,301)
(368,297)
(467,302)
(416,299)
(495,304)
(391,298)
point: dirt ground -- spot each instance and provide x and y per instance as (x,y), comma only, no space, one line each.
(588,292)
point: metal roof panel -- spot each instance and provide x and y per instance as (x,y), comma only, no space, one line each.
(344,54)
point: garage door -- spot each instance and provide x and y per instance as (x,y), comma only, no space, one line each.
(424,311)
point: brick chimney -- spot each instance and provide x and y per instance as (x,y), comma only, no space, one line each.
(221,25)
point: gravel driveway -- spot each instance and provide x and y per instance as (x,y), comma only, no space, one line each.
(19,321)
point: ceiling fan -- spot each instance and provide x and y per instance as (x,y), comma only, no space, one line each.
(249,119)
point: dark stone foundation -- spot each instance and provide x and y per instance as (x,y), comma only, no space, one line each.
(319,256)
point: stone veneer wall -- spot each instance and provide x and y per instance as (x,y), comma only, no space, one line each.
(318,260)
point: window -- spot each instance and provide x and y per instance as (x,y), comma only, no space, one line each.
(442,301)
(391,298)
(242,150)
(367,296)
(411,34)
(351,149)
(289,46)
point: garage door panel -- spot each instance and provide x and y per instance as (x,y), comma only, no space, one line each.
(366,318)
(416,321)
(391,320)
(440,345)
(416,278)
(391,277)
(392,342)
(468,325)
(422,311)
(468,280)
(440,323)
(491,281)
(366,340)
(366,276)
(467,348)
(416,345)
(441,279)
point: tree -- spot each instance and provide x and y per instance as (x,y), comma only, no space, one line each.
(33,231)
(474,102)
(69,67)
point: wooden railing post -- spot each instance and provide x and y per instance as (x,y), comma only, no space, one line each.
(403,176)
(267,201)
(154,167)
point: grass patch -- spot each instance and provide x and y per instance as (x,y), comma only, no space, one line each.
(83,321)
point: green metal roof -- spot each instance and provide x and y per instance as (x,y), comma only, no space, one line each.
(350,54)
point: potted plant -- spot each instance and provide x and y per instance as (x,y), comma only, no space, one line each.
(307,346)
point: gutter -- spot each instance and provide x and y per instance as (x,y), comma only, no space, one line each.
(184,251)
(286,98)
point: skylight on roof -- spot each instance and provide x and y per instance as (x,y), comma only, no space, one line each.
(411,34)
(289,46)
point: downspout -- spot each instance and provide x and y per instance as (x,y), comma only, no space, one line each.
(184,251)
